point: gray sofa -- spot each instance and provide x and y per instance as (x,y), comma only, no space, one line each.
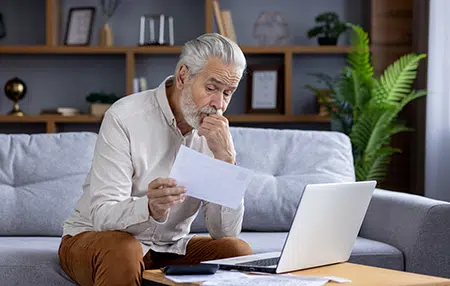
(41,177)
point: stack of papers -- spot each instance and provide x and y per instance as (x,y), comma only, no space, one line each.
(209,179)
(238,278)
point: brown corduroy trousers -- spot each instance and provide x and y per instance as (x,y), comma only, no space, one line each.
(115,257)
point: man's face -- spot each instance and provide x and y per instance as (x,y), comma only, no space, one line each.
(208,91)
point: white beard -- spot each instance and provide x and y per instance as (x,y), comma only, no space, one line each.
(190,110)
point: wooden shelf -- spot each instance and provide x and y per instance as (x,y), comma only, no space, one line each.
(87,50)
(52,120)
(231,118)
(296,49)
(167,50)
(263,118)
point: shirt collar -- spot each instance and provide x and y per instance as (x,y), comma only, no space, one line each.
(163,101)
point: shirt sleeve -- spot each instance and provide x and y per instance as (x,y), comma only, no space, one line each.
(112,207)
(223,221)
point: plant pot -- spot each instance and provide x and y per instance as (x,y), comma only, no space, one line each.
(322,110)
(326,41)
(99,109)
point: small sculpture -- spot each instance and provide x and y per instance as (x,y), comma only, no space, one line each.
(153,38)
(270,29)
(109,7)
(15,90)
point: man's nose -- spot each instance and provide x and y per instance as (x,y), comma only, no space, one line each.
(217,101)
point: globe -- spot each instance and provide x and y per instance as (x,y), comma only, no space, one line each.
(15,90)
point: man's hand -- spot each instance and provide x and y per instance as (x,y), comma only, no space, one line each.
(216,130)
(162,194)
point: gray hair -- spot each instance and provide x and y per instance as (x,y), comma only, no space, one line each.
(196,53)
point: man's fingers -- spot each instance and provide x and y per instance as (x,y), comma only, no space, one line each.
(203,131)
(218,117)
(162,182)
(166,206)
(208,125)
(214,119)
(168,199)
(158,193)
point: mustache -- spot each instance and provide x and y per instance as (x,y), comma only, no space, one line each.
(207,111)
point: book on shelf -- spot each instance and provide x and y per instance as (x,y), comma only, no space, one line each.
(228,25)
(218,16)
(139,84)
(224,21)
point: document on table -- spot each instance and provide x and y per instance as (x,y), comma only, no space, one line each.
(209,179)
(219,275)
(237,278)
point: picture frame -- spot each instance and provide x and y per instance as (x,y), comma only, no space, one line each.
(265,89)
(79,26)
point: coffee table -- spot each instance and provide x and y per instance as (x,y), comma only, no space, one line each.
(359,274)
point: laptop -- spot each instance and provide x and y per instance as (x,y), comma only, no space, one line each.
(323,230)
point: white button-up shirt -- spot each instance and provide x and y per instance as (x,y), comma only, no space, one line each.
(137,142)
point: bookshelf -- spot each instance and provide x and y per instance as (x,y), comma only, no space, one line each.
(51,121)
(130,55)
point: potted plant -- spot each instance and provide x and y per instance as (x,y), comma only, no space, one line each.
(366,107)
(100,102)
(329,27)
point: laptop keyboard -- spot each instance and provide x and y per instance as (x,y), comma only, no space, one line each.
(261,262)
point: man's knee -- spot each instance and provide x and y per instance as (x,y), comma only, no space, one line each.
(233,246)
(121,261)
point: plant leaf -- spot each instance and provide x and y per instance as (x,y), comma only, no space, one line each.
(375,169)
(359,58)
(395,83)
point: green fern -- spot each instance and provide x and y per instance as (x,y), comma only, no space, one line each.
(395,83)
(367,107)
(359,59)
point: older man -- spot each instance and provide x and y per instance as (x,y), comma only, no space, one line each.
(133,217)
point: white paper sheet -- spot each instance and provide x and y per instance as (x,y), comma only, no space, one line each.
(266,281)
(210,179)
(238,278)
(270,280)
(219,275)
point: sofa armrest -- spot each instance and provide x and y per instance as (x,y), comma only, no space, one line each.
(416,225)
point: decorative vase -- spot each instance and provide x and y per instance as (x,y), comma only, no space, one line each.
(326,41)
(106,36)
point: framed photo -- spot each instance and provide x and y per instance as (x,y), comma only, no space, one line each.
(79,26)
(265,89)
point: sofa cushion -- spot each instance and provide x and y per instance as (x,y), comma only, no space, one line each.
(285,161)
(365,251)
(34,260)
(41,178)
(31,261)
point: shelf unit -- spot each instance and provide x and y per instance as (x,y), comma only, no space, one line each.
(53,47)
(52,120)
(167,50)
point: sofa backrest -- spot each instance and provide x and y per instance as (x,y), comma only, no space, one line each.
(285,161)
(41,177)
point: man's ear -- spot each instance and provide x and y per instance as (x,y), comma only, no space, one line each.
(182,76)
